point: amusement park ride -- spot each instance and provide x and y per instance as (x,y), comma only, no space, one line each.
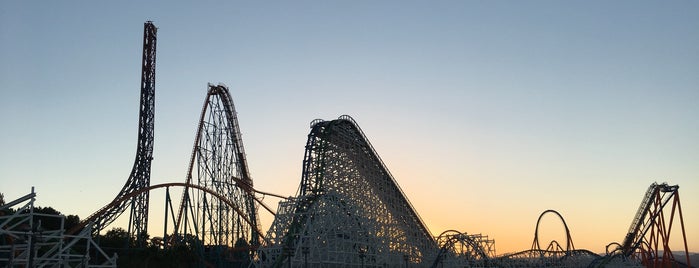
(348,210)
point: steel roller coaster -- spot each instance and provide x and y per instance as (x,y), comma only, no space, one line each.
(348,211)
(218,164)
(553,255)
(140,173)
(648,238)
(459,249)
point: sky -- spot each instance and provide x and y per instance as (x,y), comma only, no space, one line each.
(487,113)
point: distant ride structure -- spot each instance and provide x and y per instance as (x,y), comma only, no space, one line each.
(648,238)
(553,245)
(553,255)
(458,249)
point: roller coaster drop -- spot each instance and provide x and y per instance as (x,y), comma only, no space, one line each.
(218,163)
(140,173)
(648,239)
(348,210)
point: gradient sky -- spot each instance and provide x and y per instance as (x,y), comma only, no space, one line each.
(486,112)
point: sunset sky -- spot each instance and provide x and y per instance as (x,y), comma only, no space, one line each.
(486,112)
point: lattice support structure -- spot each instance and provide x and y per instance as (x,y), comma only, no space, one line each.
(652,239)
(218,163)
(140,173)
(349,210)
(140,176)
(464,250)
(648,239)
(25,242)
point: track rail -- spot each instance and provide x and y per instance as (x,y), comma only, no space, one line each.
(648,237)
(218,162)
(308,184)
(348,207)
(569,240)
(139,177)
(477,249)
(126,197)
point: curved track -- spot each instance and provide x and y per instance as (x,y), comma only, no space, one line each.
(219,206)
(569,240)
(553,255)
(459,249)
(215,194)
(218,162)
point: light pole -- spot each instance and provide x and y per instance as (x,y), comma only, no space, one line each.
(305,250)
(362,254)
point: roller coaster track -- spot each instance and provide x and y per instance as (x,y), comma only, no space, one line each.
(230,203)
(215,194)
(219,206)
(649,234)
(218,162)
(554,255)
(462,250)
(569,240)
(640,224)
(140,173)
(349,209)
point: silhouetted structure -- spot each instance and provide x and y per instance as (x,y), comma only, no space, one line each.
(140,173)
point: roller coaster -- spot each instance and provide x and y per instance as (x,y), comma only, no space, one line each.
(348,211)
(648,237)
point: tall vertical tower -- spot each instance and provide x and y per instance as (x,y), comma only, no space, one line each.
(140,173)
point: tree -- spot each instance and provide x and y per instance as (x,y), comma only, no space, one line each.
(71,221)
(2,203)
(116,238)
(184,254)
(241,253)
(51,222)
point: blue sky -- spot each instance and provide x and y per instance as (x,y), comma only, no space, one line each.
(487,113)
